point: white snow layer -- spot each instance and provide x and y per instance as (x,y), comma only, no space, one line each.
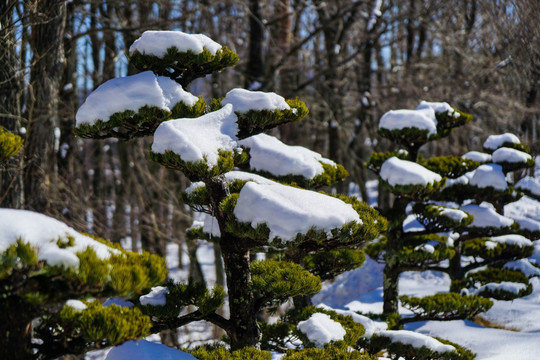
(489,175)
(288,211)
(512,239)
(43,233)
(509,155)
(157,42)
(320,329)
(146,350)
(403,172)
(198,139)
(132,93)
(416,340)
(267,153)
(477,156)
(530,184)
(507,286)
(438,107)
(156,297)
(454,214)
(523,265)
(496,141)
(485,216)
(76,304)
(423,119)
(245,100)
(369,325)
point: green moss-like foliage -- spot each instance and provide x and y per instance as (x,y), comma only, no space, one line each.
(434,220)
(445,306)
(415,192)
(376,343)
(255,122)
(416,257)
(410,138)
(520,147)
(111,325)
(221,353)
(125,125)
(475,231)
(182,295)
(474,280)
(274,282)
(449,166)
(184,67)
(330,352)
(10,144)
(197,170)
(131,124)
(447,121)
(16,257)
(329,264)
(508,252)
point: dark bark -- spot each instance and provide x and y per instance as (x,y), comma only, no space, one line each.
(48,19)
(255,60)
(16,328)
(10,93)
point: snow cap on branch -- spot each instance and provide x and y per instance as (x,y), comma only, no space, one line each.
(157,42)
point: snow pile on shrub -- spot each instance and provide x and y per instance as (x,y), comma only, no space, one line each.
(157,42)
(423,119)
(132,93)
(320,329)
(244,100)
(288,211)
(403,172)
(47,236)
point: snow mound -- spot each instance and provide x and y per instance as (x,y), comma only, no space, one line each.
(529,184)
(288,211)
(44,233)
(146,350)
(269,154)
(184,136)
(320,329)
(244,100)
(423,119)
(489,175)
(494,142)
(403,172)
(524,266)
(485,216)
(509,155)
(156,297)
(369,325)
(416,340)
(132,93)
(512,239)
(157,42)
(438,107)
(477,156)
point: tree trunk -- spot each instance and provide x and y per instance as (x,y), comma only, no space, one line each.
(255,60)
(10,93)
(390,288)
(48,19)
(243,314)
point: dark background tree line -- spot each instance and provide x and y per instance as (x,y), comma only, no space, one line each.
(350,61)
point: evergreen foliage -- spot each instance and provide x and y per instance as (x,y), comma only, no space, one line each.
(10,144)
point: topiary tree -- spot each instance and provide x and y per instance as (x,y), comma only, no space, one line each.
(447,216)
(253,188)
(49,274)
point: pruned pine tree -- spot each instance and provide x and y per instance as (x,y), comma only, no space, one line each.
(250,212)
(447,216)
(49,273)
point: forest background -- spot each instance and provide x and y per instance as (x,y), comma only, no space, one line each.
(350,61)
